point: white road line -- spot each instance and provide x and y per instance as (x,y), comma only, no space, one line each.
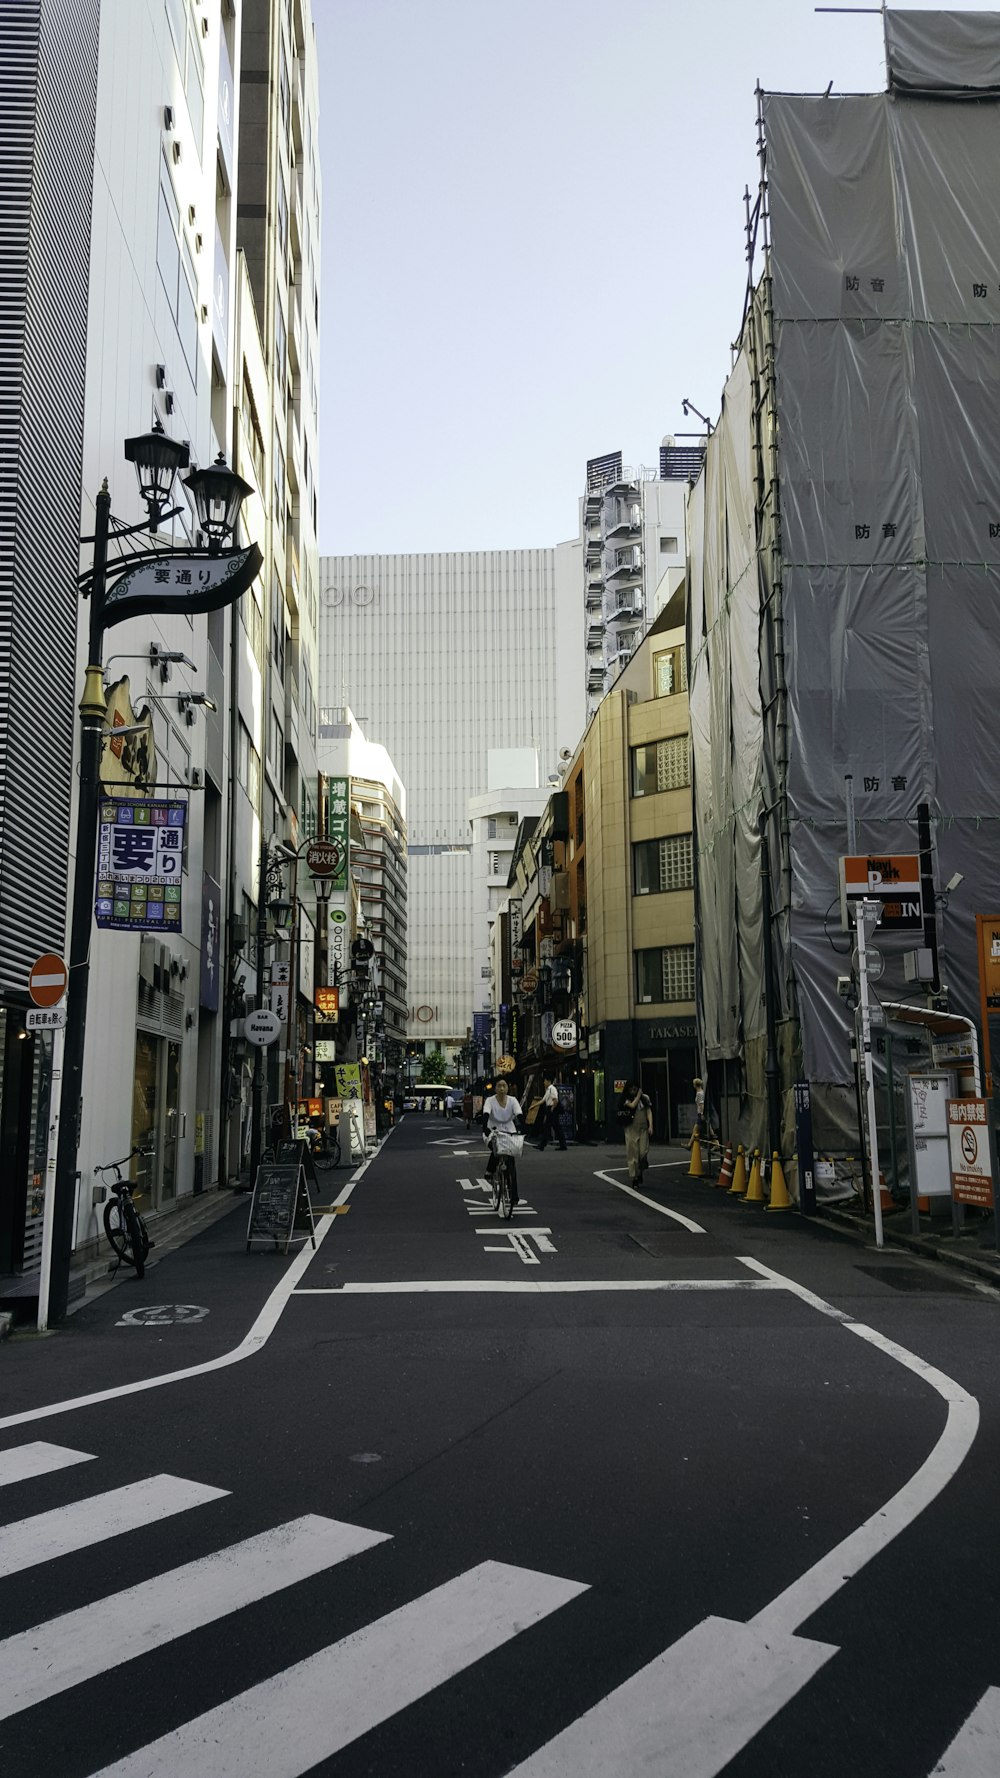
(564,1286)
(303,1716)
(675,1215)
(51,1657)
(975,1751)
(689,1712)
(81,1523)
(25,1462)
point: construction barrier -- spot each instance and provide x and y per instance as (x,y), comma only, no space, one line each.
(725,1178)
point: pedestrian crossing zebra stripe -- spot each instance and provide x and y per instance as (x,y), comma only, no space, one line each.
(285,1726)
(26,1462)
(77,1526)
(975,1751)
(49,1658)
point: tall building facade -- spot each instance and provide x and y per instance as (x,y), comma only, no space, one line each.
(447,657)
(512,792)
(633,548)
(845,564)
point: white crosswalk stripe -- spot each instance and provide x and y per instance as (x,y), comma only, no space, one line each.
(85,1522)
(28,1461)
(79,1645)
(286,1726)
(975,1751)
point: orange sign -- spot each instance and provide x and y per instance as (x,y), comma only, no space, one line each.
(892,879)
(310,1108)
(988,933)
(328,1002)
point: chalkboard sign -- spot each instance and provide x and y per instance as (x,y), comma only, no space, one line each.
(289,1152)
(280,1208)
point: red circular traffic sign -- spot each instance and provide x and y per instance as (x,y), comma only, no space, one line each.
(47,980)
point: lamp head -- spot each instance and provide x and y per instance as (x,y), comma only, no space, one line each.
(157,458)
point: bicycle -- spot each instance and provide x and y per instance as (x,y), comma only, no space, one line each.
(506,1145)
(123,1225)
(326,1152)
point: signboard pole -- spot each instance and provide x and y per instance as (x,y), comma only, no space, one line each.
(804,1147)
(862,914)
(984,1010)
(48,1203)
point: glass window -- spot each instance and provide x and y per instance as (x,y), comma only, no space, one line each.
(668,546)
(279,475)
(670,672)
(280,343)
(249,766)
(664,864)
(662,765)
(284,90)
(665,974)
(282,212)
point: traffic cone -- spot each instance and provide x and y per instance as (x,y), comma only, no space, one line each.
(755,1188)
(725,1178)
(780,1199)
(696,1170)
(739,1184)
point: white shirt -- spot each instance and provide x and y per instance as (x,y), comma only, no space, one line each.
(551,1095)
(499,1117)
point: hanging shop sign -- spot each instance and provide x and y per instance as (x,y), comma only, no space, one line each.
(348,1078)
(338,928)
(338,821)
(262,1027)
(185,584)
(128,761)
(516,916)
(140,862)
(891,879)
(328,1004)
(564,1034)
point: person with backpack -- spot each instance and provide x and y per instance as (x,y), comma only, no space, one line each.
(635,1114)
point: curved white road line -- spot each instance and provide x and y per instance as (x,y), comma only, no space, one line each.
(799,1601)
(675,1215)
(252,1342)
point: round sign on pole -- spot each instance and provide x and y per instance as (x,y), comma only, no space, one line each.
(261,1028)
(564,1034)
(47,979)
(324,857)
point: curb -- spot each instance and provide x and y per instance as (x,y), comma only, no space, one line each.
(920,1244)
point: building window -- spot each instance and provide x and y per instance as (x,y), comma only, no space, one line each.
(280,344)
(187,47)
(279,475)
(276,749)
(248,761)
(665,975)
(668,546)
(282,213)
(177,271)
(670,671)
(253,623)
(659,865)
(284,89)
(251,426)
(662,765)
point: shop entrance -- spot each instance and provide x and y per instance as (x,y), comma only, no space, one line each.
(155,1111)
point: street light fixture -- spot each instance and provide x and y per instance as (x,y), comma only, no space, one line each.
(157,458)
(218,493)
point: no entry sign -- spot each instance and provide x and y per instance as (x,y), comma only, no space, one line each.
(47,980)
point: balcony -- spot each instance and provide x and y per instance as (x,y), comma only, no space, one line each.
(625,610)
(623,564)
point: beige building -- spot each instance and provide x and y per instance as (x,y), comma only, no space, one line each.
(602,895)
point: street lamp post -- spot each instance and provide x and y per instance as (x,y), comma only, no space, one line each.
(132,586)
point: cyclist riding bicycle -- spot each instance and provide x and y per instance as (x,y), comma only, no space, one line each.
(501,1112)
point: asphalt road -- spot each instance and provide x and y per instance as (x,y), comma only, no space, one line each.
(597,1492)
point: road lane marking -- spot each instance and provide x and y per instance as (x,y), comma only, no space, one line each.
(76,1526)
(975,1751)
(557,1286)
(252,1342)
(688,1712)
(287,1725)
(25,1462)
(675,1215)
(49,1658)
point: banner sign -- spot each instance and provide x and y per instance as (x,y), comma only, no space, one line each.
(348,1077)
(211,917)
(128,762)
(338,821)
(181,583)
(328,1004)
(140,860)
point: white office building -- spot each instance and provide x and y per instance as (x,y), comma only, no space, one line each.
(447,657)
(512,793)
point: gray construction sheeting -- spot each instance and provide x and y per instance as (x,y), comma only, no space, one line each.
(943,52)
(885,230)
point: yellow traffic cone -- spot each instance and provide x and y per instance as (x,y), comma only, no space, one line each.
(696,1171)
(739,1184)
(755,1188)
(780,1199)
(725,1178)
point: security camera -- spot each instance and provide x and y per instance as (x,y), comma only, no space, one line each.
(844,985)
(953,882)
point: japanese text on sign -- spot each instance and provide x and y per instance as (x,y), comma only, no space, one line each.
(140,865)
(338,820)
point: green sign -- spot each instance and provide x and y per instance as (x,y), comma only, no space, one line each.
(338,820)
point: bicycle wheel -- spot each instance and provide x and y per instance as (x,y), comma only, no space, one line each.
(495,1185)
(138,1240)
(507,1187)
(115,1228)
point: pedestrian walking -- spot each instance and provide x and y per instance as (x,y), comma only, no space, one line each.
(548,1117)
(635,1116)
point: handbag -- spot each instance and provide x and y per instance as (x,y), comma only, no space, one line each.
(625,1114)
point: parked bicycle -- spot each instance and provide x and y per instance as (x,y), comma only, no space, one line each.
(506,1146)
(325,1146)
(123,1224)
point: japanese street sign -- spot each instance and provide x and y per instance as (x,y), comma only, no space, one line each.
(893,880)
(181,583)
(261,1028)
(140,863)
(47,980)
(969,1152)
(45,1018)
(324,858)
(338,820)
(328,1002)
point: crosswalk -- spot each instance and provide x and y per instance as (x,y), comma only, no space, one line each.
(690,1711)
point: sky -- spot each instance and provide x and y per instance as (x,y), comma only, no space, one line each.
(533,243)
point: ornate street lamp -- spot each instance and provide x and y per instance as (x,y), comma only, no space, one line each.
(157,458)
(218,494)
